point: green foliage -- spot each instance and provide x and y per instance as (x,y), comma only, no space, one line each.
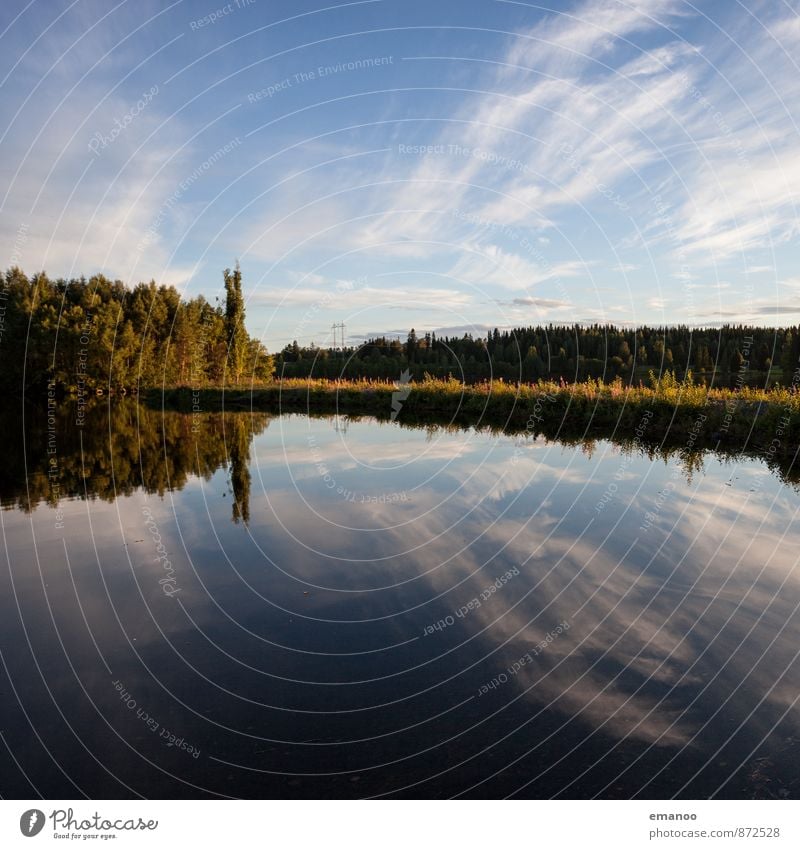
(89,335)
(95,334)
(125,446)
(724,356)
(235,333)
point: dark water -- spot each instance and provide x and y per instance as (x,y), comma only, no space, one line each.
(256,606)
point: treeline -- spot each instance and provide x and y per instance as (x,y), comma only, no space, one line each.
(94,334)
(86,335)
(721,356)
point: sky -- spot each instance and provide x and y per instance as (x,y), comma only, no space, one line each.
(388,164)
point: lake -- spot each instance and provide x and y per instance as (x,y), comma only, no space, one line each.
(249,605)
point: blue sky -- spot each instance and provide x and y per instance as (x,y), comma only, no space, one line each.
(388,164)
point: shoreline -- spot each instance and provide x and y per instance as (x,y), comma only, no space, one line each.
(671,413)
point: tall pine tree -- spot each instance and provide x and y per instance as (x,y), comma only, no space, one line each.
(235,332)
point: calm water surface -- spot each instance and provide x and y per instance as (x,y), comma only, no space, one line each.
(255,606)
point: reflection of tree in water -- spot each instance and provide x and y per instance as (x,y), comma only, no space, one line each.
(125,446)
(238,434)
(122,447)
(690,460)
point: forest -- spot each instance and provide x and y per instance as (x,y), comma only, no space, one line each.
(84,335)
(97,334)
(726,356)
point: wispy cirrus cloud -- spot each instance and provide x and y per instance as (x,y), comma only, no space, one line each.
(627,150)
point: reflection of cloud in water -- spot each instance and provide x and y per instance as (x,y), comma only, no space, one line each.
(648,623)
(648,630)
(665,628)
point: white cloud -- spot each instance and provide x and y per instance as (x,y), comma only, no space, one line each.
(546,303)
(87,211)
(516,174)
(364,296)
(574,130)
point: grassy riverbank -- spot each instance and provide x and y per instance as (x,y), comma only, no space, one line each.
(667,410)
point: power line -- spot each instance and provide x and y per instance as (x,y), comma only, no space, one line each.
(340,326)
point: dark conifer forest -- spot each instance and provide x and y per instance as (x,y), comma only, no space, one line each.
(720,356)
